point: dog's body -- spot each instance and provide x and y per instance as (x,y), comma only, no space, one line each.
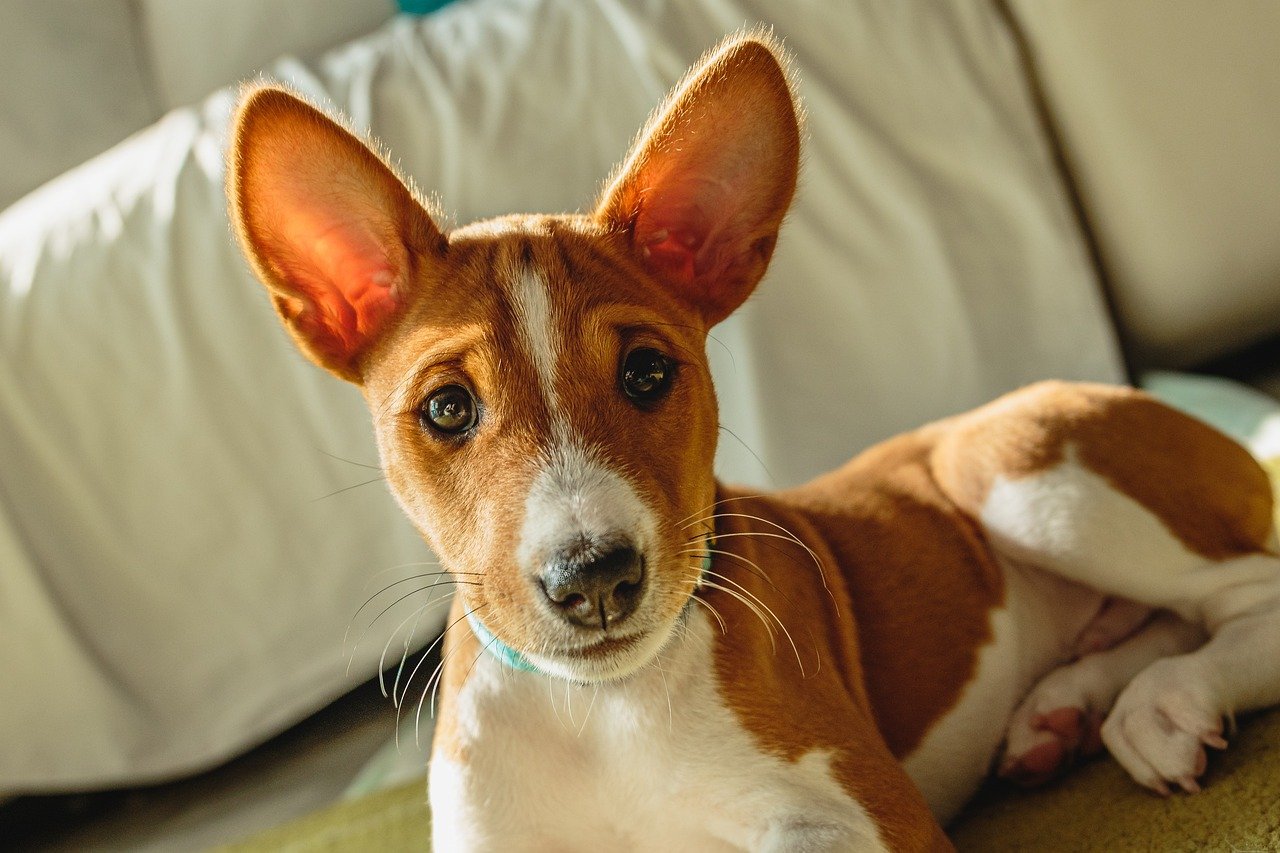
(639,658)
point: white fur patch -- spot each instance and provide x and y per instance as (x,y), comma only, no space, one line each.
(531,300)
(1029,635)
(1070,520)
(657,762)
(575,496)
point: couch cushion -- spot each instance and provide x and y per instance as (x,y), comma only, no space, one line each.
(73,82)
(1170,115)
(76,79)
(167,459)
(195,47)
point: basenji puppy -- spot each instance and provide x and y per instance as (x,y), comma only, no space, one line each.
(640,658)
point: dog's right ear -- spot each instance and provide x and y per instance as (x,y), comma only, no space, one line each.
(329,228)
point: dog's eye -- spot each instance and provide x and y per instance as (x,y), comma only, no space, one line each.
(646,374)
(449,410)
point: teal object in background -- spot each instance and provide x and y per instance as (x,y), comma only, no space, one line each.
(422,7)
(1241,412)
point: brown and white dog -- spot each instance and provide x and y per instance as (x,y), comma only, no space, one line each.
(642,658)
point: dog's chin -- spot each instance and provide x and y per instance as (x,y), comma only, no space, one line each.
(609,659)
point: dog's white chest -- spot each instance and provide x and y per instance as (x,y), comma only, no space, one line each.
(657,762)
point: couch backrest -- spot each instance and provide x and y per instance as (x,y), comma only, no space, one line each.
(1169,116)
(77,77)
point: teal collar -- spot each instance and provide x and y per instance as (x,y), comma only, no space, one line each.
(497,648)
(711,549)
(517,661)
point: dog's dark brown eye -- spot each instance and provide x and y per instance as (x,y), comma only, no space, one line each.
(646,374)
(450,410)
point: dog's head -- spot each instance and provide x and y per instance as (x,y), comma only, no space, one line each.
(538,384)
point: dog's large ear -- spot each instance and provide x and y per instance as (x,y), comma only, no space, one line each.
(329,228)
(703,192)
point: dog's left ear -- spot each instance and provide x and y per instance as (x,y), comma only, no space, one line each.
(704,190)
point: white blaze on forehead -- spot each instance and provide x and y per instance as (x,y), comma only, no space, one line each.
(535,321)
(576,496)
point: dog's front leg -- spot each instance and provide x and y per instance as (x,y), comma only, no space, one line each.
(472,814)
(806,835)
(801,820)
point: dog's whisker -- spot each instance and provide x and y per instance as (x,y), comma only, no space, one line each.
(709,336)
(384,610)
(396,702)
(724,631)
(591,705)
(349,488)
(773,480)
(417,720)
(382,660)
(436,563)
(713,505)
(671,717)
(389,587)
(768,610)
(404,654)
(701,540)
(752,566)
(439,667)
(817,650)
(394,394)
(438,676)
(788,537)
(380,572)
(787,534)
(750,606)
(551,698)
(350,461)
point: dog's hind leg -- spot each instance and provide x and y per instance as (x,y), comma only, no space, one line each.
(1107,488)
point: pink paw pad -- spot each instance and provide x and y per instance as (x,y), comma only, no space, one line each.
(1066,733)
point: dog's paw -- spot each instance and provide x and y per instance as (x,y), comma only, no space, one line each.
(1059,721)
(1162,723)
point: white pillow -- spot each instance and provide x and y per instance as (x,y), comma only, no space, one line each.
(175,586)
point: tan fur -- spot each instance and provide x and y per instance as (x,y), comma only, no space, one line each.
(859,662)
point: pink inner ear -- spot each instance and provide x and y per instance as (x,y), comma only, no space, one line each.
(349,280)
(681,228)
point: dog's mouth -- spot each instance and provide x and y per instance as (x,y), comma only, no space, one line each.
(605,647)
(604,658)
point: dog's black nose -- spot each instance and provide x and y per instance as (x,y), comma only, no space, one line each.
(595,587)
